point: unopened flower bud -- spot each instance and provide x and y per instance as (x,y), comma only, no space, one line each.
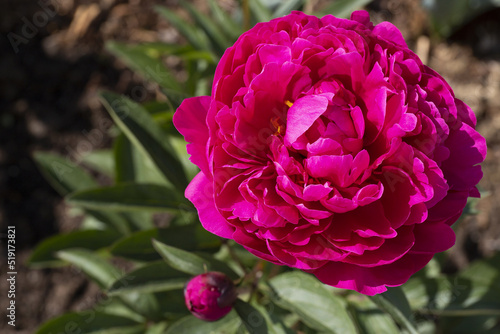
(210,296)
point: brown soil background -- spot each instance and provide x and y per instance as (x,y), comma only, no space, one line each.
(48,102)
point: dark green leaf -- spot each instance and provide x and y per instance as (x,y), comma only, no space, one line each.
(90,322)
(180,146)
(484,291)
(67,177)
(101,161)
(133,165)
(172,304)
(145,304)
(157,107)
(344,8)
(152,277)
(287,6)
(397,297)
(190,238)
(62,173)
(95,266)
(125,169)
(144,133)
(477,324)
(225,21)
(129,196)
(191,325)
(111,219)
(219,40)
(141,220)
(190,263)
(370,319)
(44,253)
(116,306)
(315,305)
(259,11)
(105,274)
(194,36)
(434,293)
(258,321)
(158,328)
(397,314)
(448,16)
(150,67)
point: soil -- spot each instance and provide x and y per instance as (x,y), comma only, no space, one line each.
(54,65)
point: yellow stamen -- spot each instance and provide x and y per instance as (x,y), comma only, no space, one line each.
(279,128)
(288,103)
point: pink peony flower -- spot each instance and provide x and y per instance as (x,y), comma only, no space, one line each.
(328,146)
(210,296)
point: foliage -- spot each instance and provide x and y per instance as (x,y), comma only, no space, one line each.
(150,168)
(449,16)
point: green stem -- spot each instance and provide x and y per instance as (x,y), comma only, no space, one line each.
(246,15)
(385,305)
(460,313)
(235,257)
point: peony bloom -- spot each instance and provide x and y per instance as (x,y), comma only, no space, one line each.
(210,296)
(328,146)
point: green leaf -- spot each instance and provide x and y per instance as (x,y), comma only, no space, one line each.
(129,196)
(111,219)
(90,322)
(484,291)
(105,274)
(214,33)
(397,297)
(150,67)
(180,146)
(97,268)
(63,174)
(258,321)
(158,328)
(225,21)
(473,292)
(287,6)
(101,161)
(125,169)
(44,253)
(385,304)
(67,177)
(190,263)
(152,277)
(315,305)
(116,306)
(192,325)
(434,293)
(447,17)
(145,134)
(172,304)
(344,8)
(133,165)
(259,11)
(370,319)
(194,36)
(190,238)
(144,304)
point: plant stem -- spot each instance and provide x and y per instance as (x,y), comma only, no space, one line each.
(246,15)
(461,313)
(385,305)
(235,257)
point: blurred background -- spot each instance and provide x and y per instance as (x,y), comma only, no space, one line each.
(53,63)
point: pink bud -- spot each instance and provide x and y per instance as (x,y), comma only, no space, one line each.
(210,296)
